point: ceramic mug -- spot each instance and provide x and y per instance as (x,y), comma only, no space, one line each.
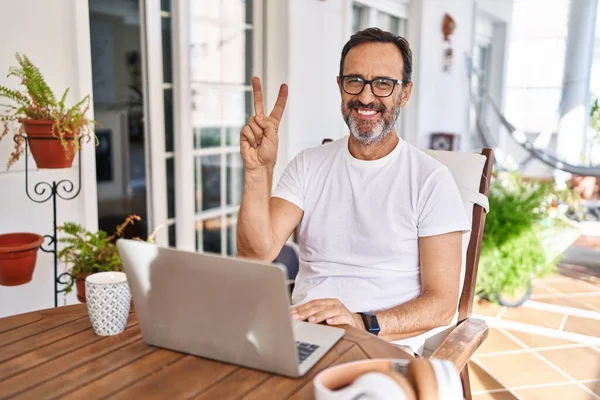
(108,302)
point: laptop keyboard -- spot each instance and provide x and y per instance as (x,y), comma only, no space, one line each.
(305,350)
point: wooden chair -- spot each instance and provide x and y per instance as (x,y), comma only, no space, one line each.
(458,343)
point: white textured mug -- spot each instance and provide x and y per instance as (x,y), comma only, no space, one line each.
(108,301)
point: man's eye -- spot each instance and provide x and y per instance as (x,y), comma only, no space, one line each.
(383,83)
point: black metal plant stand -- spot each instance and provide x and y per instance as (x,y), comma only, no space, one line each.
(44,191)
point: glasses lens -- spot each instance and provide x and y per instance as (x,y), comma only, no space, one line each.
(383,87)
(353,85)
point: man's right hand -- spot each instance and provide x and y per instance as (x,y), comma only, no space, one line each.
(259,138)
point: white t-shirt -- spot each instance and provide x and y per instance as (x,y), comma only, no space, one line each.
(362,219)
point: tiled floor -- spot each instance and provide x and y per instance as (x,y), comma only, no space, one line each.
(514,365)
(549,348)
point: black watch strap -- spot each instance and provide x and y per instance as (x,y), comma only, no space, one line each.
(370,321)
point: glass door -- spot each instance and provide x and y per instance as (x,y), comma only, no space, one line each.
(209,52)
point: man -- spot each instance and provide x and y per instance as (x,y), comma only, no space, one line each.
(380,221)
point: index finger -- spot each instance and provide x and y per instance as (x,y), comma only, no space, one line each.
(259,108)
(279,108)
(316,303)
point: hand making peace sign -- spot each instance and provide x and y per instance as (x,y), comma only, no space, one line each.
(259,138)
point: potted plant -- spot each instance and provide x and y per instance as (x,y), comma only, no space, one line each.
(18,255)
(517,241)
(53,129)
(90,252)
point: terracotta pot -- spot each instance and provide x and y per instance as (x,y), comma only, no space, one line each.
(18,254)
(80,284)
(47,150)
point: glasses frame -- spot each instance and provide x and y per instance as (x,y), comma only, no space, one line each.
(370,83)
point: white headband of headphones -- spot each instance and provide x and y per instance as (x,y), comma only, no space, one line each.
(367,378)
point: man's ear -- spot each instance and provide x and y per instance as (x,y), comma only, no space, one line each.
(339,82)
(406,93)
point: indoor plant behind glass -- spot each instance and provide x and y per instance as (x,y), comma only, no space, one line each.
(90,252)
(53,129)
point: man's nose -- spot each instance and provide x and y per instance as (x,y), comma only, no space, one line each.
(366,96)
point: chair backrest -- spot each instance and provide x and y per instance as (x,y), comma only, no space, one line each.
(472,173)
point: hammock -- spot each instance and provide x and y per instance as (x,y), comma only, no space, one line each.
(541,155)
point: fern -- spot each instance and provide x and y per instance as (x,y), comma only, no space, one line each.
(38,102)
(90,252)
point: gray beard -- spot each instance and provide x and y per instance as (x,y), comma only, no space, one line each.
(379,132)
(375,136)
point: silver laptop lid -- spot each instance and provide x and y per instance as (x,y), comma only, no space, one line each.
(222,308)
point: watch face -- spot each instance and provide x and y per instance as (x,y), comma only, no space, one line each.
(371,323)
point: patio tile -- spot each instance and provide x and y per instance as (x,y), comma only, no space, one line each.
(553,276)
(588,241)
(594,387)
(497,342)
(481,380)
(484,307)
(571,392)
(564,301)
(504,395)
(541,289)
(570,285)
(530,316)
(520,369)
(535,341)
(591,301)
(581,362)
(585,326)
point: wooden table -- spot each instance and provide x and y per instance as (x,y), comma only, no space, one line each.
(55,354)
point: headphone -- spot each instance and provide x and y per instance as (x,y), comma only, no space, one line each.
(386,379)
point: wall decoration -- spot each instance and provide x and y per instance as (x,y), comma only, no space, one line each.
(448,27)
(443,141)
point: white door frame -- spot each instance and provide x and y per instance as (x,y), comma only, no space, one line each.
(154,118)
(89,189)
(182,111)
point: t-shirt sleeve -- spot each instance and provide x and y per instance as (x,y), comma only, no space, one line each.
(291,184)
(441,209)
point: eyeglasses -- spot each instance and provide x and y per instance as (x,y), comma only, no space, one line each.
(380,87)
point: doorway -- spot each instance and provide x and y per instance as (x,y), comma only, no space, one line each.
(119,110)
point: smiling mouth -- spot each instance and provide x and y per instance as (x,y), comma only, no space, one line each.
(365,113)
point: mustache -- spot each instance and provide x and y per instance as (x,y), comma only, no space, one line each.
(355,104)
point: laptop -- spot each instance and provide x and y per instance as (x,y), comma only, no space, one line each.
(222,308)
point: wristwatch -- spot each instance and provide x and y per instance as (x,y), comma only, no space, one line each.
(371,323)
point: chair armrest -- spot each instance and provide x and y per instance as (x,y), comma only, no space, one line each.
(462,342)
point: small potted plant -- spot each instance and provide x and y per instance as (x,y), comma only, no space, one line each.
(90,252)
(53,129)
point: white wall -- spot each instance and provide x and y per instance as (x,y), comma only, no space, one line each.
(442,98)
(317,35)
(55,35)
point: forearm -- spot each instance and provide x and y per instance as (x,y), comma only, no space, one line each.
(415,317)
(255,238)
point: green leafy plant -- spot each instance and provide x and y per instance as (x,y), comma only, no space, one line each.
(37,101)
(595,116)
(511,251)
(92,252)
